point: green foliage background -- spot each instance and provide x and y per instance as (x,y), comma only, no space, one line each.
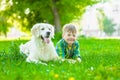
(41,11)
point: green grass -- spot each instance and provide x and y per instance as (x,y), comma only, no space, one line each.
(100,61)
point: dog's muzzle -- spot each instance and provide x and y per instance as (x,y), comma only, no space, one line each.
(47,34)
(46,38)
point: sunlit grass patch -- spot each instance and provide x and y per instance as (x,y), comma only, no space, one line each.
(100,61)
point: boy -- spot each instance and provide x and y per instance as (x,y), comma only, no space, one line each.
(68,46)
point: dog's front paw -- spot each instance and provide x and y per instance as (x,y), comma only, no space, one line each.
(31,60)
(42,63)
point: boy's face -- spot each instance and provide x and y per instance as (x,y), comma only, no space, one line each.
(69,37)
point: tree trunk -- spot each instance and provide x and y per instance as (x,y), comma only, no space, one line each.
(56,16)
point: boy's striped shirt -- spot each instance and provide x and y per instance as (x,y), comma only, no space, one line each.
(64,51)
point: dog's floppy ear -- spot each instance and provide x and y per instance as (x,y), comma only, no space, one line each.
(35,30)
(53,31)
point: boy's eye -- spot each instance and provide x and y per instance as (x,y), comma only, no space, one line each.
(74,35)
(68,34)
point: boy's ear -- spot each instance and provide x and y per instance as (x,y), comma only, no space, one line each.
(62,35)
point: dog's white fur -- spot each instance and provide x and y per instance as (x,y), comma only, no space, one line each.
(40,47)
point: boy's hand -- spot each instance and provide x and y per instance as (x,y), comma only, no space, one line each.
(78,59)
(71,61)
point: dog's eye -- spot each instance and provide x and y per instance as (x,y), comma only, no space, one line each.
(42,28)
(49,29)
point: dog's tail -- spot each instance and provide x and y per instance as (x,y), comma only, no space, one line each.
(24,50)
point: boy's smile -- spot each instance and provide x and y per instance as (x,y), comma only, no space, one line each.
(69,37)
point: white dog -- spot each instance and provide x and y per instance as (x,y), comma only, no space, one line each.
(40,47)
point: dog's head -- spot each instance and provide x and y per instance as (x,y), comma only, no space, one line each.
(44,31)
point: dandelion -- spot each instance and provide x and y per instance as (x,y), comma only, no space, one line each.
(56,75)
(92,68)
(71,78)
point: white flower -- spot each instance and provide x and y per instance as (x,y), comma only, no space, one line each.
(92,68)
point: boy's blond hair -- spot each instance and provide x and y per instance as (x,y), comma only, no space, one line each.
(69,28)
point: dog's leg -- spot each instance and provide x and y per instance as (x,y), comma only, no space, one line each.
(31,60)
(35,61)
(24,49)
(42,63)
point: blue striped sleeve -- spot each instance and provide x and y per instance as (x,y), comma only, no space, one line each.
(60,49)
(76,50)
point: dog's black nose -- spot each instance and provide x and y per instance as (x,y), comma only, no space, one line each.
(48,34)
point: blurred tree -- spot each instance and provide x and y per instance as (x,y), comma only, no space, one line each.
(3,28)
(108,26)
(118,29)
(3,24)
(56,12)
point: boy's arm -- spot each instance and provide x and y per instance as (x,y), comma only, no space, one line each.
(77,52)
(60,50)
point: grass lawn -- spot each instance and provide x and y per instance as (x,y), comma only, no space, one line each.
(100,61)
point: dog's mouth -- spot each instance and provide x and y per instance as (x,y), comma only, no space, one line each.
(46,39)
